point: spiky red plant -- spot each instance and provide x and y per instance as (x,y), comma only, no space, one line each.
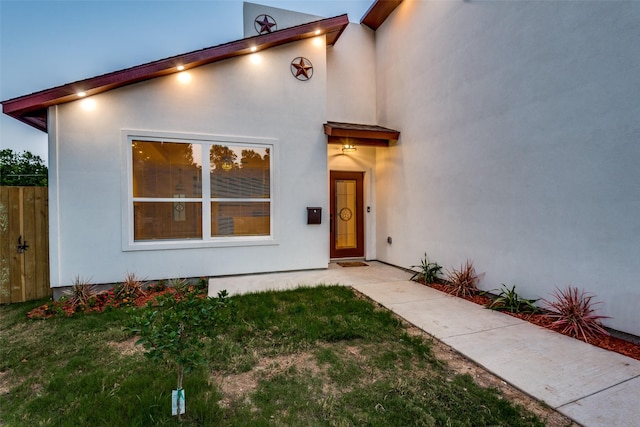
(463,282)
(574,314)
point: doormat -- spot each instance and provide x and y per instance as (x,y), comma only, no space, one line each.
(353,264)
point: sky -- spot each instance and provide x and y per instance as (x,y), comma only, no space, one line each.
(44,44)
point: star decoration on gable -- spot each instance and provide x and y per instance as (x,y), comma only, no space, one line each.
(301,68)
(265,24)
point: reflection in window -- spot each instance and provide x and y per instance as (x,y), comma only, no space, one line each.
(240,219)
(167,190)
(240,184)
(160,220)
(165,169)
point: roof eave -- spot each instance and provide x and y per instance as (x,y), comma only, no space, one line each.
(25,107)
(379,12)
(372,134)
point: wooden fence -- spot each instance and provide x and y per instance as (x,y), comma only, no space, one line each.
(24,244)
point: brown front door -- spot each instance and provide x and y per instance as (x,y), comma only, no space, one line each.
(347,218)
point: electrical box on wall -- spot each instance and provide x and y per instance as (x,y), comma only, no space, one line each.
(314,215)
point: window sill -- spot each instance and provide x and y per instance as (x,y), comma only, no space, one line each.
(157,245)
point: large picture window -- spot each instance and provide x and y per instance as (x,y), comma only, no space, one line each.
(188,191)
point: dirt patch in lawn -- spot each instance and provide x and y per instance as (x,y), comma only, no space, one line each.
(4,382)
(234,386)
(126,348)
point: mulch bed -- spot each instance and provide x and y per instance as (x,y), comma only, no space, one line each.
(611,343)
(106,300)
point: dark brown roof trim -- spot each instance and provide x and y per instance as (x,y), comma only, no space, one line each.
(379,12)
(32,109)
(363,134)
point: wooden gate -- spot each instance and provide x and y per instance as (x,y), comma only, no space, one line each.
(24,244)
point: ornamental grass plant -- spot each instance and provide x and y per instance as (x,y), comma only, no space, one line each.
(573,313)
(463,282)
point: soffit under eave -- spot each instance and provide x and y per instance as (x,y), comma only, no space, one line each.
(379,11)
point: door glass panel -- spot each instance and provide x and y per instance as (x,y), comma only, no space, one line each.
(345,234)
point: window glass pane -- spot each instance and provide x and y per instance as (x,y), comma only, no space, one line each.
(346,230)
(240,219)
(240,172)
(166,169)
(167,220)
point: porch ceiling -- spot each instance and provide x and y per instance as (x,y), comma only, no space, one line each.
(371,135)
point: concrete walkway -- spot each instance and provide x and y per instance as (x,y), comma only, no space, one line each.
(592,386)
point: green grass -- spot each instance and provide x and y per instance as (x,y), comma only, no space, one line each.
(309,357)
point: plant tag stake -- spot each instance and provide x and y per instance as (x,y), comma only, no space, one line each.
(177,402)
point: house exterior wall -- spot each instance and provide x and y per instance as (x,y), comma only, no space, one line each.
(351,81)
(519,146)
(351,89)
(237,98)
(284,18)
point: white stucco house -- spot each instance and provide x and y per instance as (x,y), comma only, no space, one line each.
(507,133)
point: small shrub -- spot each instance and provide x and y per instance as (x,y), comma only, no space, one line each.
(156,287)
(180,285)
(130,288)
(509,300)
(573,313)
(173,328)
(463,282)
(80,293)
(107,299)
(430,272)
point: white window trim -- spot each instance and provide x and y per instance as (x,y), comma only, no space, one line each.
(127,199)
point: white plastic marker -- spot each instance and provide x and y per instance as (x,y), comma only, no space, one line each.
(178,402)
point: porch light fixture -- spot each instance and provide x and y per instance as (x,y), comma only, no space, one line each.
(81,94)
(253,48)
(348,148)
(180,67)
(317,33)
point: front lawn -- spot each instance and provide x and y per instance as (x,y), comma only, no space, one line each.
(312,356)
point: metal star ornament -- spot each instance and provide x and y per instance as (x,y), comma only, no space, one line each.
(301,68)
(264,24)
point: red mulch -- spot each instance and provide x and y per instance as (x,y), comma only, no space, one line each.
(101,302)
(611,343)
